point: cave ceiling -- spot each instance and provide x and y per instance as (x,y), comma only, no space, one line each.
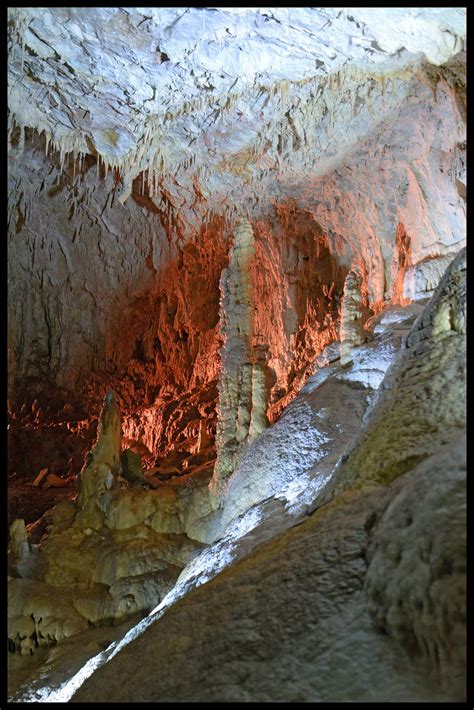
(239,106)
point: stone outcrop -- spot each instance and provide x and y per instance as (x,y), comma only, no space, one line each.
(416,577)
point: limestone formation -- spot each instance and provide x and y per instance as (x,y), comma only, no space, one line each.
(224,226)
(361,139)
(242,392)
(352,316)
(324,640)
(18,537)
(102,463)
(366,533)
(132,467)
(114,553)
(422,399)
(416,579)
(258,413)
(422,278)
(294,460)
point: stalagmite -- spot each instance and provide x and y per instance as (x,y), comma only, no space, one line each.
(18,537)
(352,325)
(242,395)
(101,464)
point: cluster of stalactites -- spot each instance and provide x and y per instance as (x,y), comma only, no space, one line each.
(295,111)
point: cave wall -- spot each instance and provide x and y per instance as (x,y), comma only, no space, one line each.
(298,281)
(410,170)
(84,271)
(103,296)
(75,264)
(111,229)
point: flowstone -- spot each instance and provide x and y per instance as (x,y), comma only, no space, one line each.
(117,551)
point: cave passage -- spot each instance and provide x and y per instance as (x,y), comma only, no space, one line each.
(236,353)
(166,371)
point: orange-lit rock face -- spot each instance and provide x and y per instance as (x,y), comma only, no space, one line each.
(298,286)
(280,298)
(167,378)
(169,388)
(140,317)
(164,346)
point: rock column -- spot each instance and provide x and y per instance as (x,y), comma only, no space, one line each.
(242,392)
(352,316)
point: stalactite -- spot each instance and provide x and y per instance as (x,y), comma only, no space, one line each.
(318,95)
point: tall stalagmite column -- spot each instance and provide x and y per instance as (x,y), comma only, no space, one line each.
(352,321)
(242,392)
